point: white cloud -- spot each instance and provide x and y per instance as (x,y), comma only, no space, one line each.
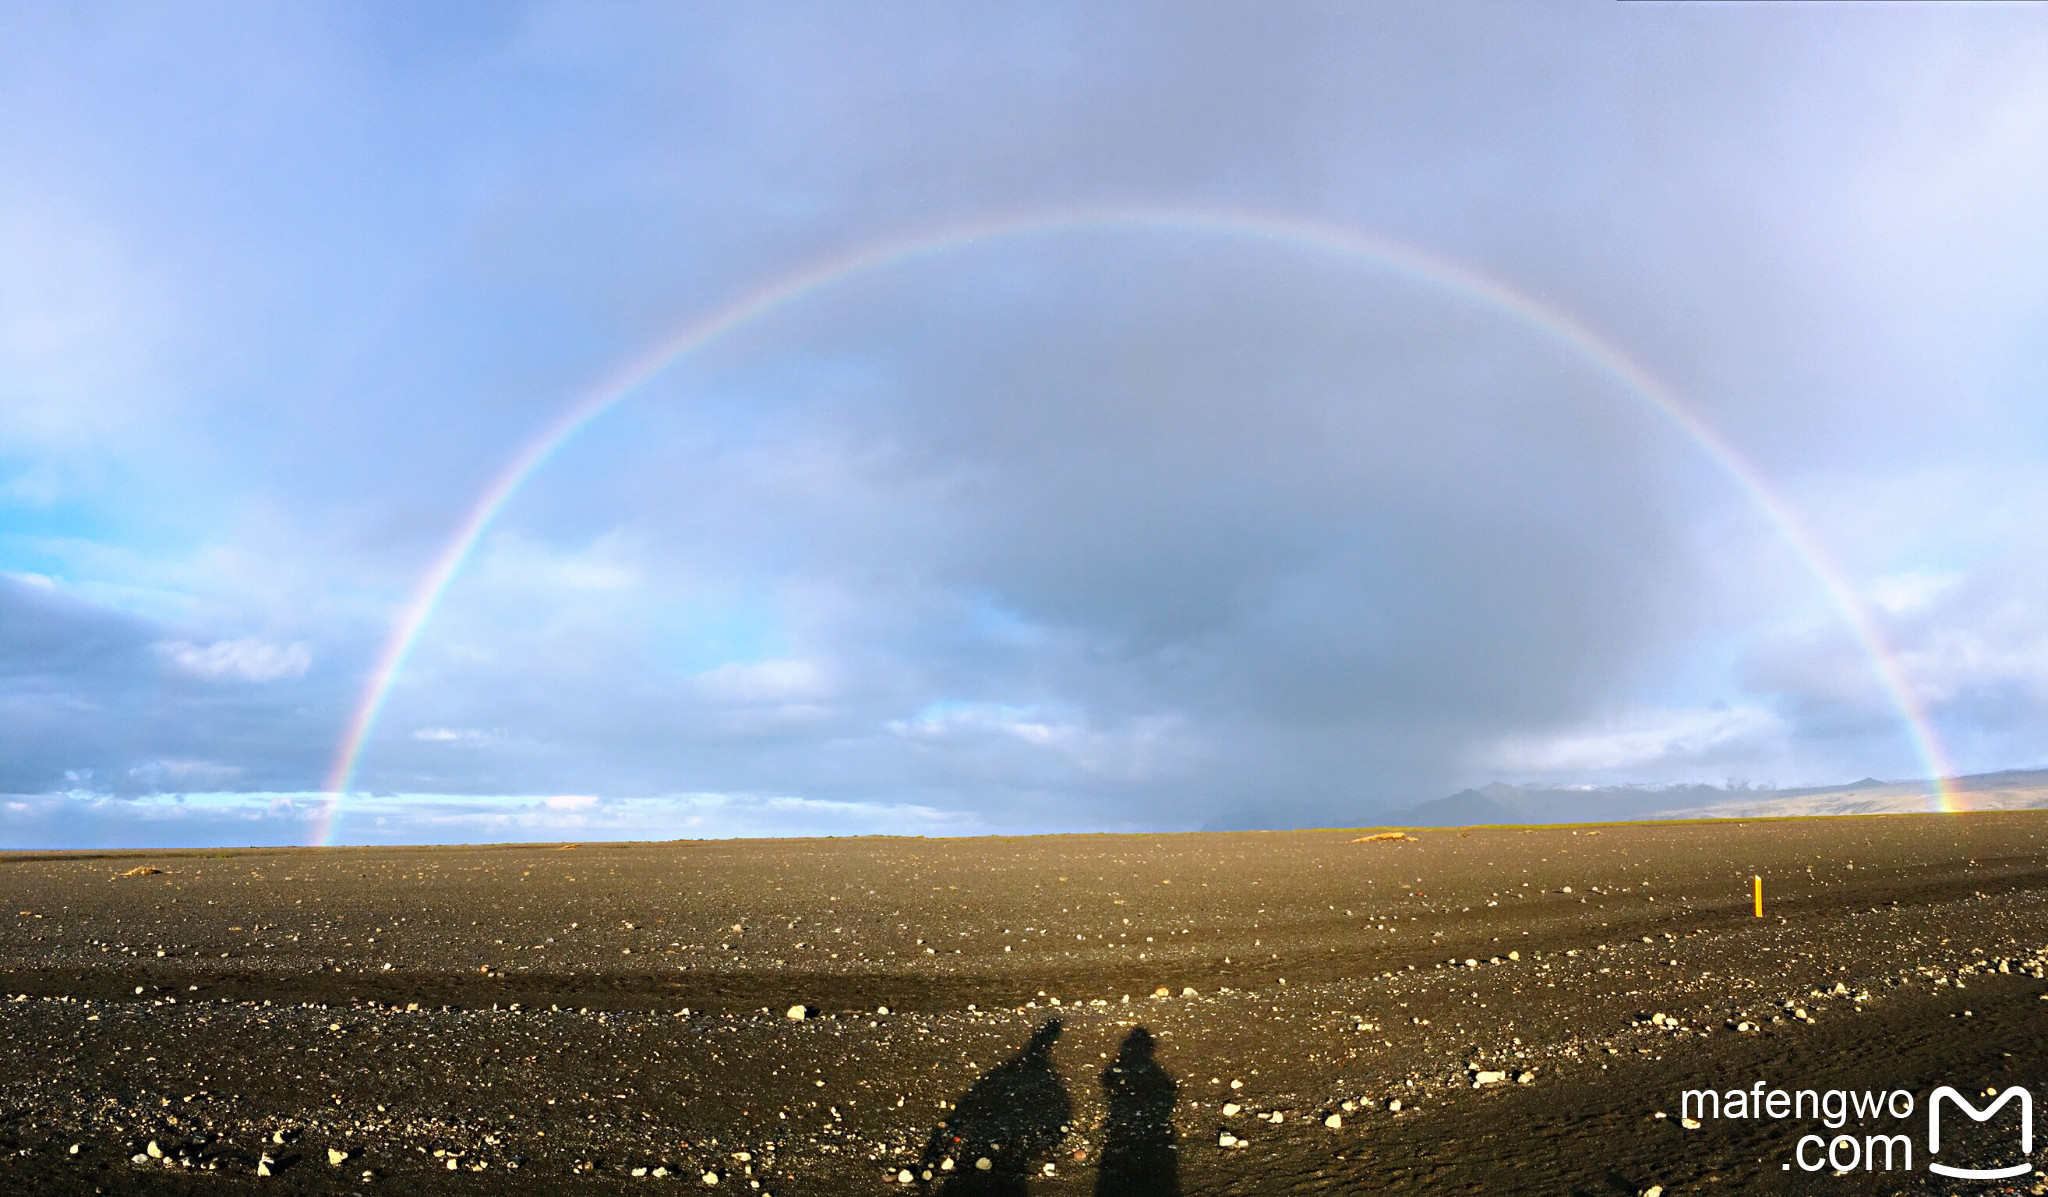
(765,681)
(1142,748)
(468,737)
(1645,737)
(180,771)
(246,660)
(1903,593)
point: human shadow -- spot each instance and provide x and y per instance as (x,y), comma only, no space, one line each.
(1139,1155)
(1015,1115)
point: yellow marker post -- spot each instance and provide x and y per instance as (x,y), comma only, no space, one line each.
(1759,896)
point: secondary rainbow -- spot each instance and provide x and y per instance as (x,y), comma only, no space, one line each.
(1295,233)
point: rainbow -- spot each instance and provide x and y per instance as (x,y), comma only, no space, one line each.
(1292,233)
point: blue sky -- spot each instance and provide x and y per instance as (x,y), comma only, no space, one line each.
(1093,528)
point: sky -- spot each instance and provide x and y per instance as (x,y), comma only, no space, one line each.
(1115,507)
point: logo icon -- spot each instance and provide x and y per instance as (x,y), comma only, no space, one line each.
(1983,1115)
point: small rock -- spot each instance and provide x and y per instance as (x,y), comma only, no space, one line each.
(336,1156)
(1487,1076)
(1226,1139)
(1394,1106)
(1524,1078)
(710,1176)
(904,1177)
(74,1149)
(1163,991)
(1230,1109)
(1689,1123)
(1654,1191)
(640,1171)
(983,1164)
(1334,1121)
(799,1012)
(153,1151)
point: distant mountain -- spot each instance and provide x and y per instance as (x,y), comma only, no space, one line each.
(1466,808)
(2012,789)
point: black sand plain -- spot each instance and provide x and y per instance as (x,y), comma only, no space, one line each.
(616,1017)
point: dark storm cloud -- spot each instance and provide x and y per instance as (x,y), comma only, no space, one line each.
(1172,527)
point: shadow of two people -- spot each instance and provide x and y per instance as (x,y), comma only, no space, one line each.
(1018,1114)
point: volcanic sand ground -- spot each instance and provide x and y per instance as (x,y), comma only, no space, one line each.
(551,1019)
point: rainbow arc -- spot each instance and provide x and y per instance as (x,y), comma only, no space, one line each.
(796,286)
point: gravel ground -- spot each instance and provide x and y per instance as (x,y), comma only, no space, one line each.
(1226,1013)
